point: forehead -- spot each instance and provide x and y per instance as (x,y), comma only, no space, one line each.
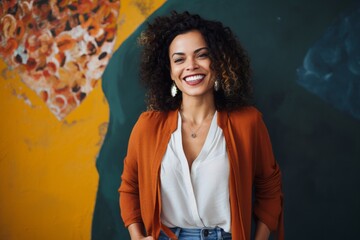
(187,42)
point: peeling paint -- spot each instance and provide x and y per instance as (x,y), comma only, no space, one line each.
(144,6)
(102,129)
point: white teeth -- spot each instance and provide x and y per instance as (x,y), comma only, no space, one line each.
(194,78)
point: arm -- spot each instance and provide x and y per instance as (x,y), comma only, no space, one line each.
(136,231)
(268,207)
(129,190)
(262,231)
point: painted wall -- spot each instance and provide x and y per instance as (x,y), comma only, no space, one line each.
(48,178)
(59,178)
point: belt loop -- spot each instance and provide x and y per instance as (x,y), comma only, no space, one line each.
(219,233)
(177,232)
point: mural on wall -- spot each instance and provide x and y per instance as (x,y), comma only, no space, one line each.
(47,170)
(331,67)
(59,48)
(47,167)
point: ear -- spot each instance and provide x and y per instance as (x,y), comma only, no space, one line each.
(172,76)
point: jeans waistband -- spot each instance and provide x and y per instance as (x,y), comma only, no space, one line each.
(201,233)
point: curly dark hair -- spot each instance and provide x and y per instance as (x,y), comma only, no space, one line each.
(229,61)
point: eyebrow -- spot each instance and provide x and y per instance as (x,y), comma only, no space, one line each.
(196,51)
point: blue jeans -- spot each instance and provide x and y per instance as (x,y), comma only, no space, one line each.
(198,234)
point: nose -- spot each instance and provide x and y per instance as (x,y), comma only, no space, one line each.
(192,64)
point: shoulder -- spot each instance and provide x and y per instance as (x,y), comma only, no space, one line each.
(153,121)
(244,115)
(151,118)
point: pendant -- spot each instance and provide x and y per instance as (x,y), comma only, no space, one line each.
(193,135)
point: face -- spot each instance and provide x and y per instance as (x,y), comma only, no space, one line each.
(190,65)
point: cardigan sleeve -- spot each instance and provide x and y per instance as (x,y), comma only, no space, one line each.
(129,189)
(268,206)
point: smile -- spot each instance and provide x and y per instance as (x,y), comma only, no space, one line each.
(194,78)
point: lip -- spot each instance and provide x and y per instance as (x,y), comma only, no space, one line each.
(193,79)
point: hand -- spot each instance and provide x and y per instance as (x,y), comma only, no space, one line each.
(137,233)
(262,231)
(144,238)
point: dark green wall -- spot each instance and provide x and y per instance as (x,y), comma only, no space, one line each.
(316,145)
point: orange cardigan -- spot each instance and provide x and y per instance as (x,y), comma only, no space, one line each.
(252,166)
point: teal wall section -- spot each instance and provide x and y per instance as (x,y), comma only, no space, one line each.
(316,145)
(126,101)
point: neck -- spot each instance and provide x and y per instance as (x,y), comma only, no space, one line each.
(196,110)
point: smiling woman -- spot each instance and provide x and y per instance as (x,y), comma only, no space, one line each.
(197,154)
(228,60)
(190,66)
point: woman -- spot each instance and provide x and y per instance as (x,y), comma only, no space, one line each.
(195,157)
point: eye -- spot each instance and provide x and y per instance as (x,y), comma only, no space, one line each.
(203,55)
(178,60)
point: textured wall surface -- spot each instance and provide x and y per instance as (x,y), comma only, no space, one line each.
(59,48)
(331,67)
(59,179)
(48,177)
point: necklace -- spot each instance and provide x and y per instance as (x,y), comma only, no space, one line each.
(194,134)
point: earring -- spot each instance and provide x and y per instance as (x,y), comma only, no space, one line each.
(216,85)
(174,90)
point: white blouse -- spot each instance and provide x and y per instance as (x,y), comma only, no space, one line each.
(199,198)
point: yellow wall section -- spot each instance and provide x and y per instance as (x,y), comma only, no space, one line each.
(48,179)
